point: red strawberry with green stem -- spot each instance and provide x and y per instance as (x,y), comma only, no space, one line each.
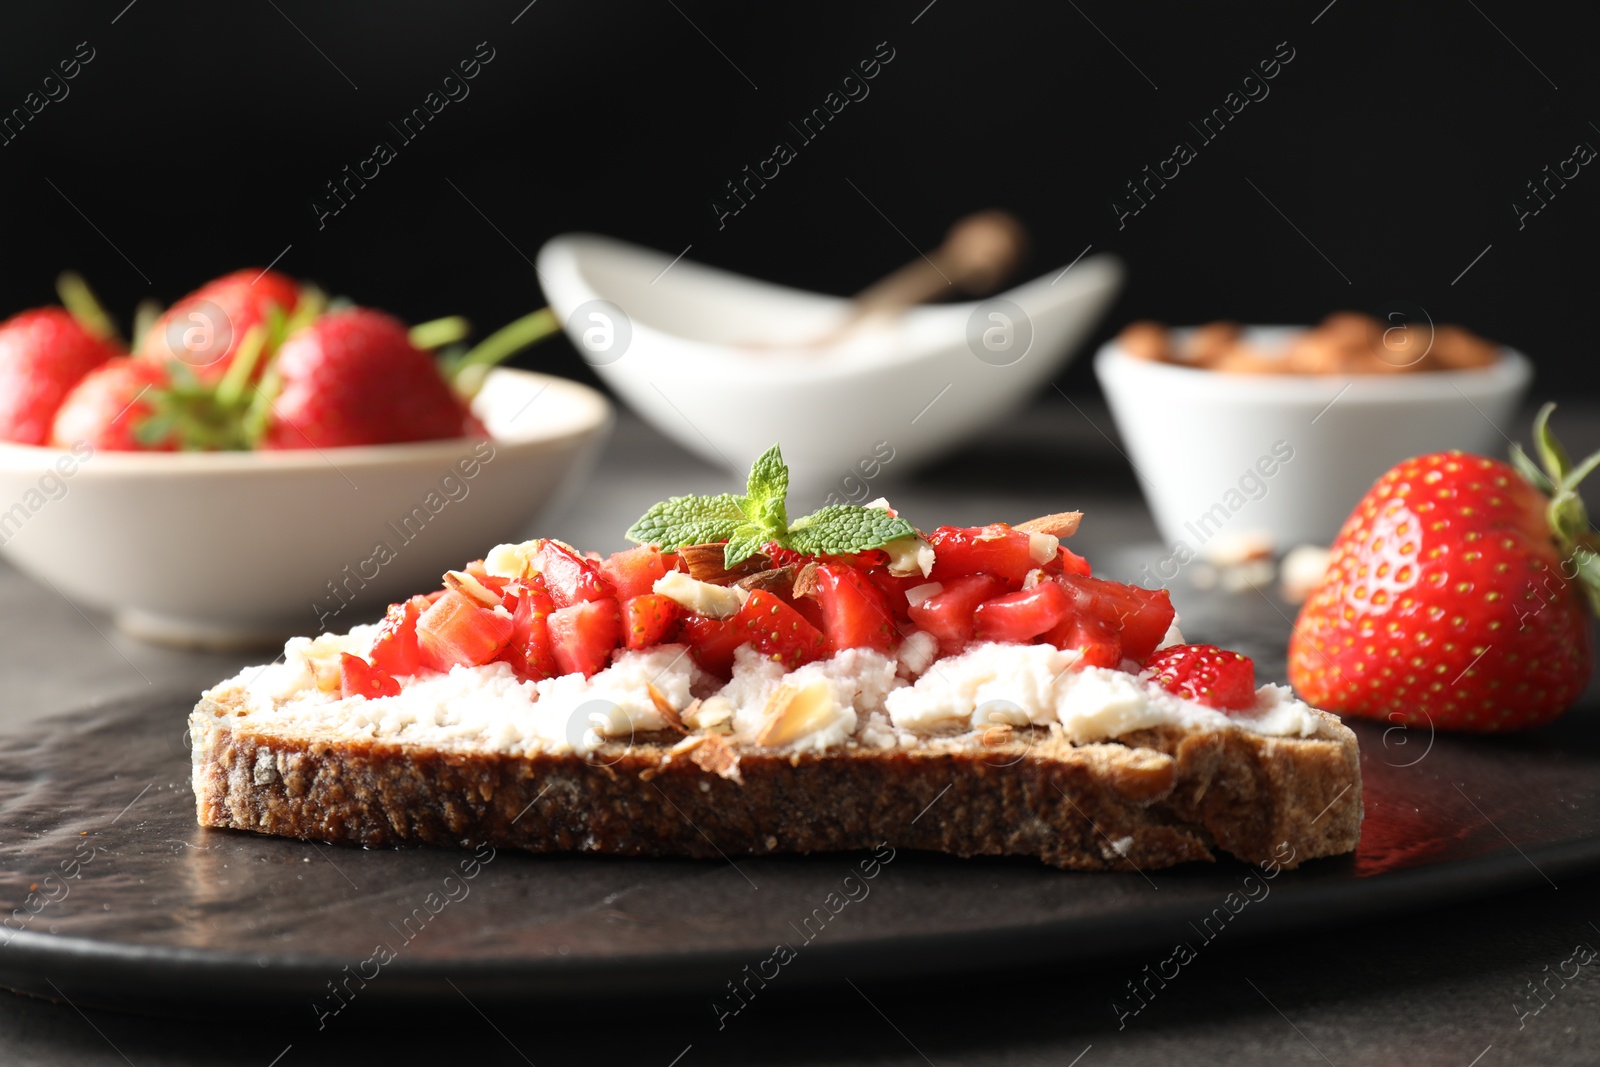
(44,353)
(109,409)
(1458,594)
(206,329)
(360,377)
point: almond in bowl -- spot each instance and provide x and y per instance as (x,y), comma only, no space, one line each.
(1347,342)
(1274,432)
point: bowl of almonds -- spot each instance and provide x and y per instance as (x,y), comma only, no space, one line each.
(1274,432)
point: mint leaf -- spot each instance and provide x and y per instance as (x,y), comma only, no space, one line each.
(745,542)
(841,529)
(765,493)
(689,520)
(769,477)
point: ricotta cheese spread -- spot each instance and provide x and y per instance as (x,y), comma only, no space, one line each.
(858,696)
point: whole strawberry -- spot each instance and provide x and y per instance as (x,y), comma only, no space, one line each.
(354,377)
(205,329)
(1458,595)
(43,354)
(110,409)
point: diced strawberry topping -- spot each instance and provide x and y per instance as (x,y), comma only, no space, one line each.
(780,556)
(778,630)
(394,650)
(712,642)
(649,620)
(894,588)
(995,550)
(1020,616)
(456,631)
(571,578)
(947,613)
(1139,617)
(854,612)
(528,651)
(583,635)
(633,571)
(489,581)
(358,678)
(1067,562)
(1206,674)
(1095,638)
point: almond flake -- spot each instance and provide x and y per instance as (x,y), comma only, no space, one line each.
(1061,524)
(469,587)
(775,580)
(805,583)
(705,563)
(716,756)
(793,713)
(664,706)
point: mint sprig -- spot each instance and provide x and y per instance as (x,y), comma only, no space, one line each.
(761,517)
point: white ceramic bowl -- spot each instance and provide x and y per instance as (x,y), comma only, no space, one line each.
(1210,448)
(234,549)
(717,361)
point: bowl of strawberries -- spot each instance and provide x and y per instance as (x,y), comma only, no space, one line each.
(262,459)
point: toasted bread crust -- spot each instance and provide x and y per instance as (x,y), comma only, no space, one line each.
(1154,799)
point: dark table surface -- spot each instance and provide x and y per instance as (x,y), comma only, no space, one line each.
(1441,986)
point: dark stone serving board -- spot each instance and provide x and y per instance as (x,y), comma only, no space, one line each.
(123,901)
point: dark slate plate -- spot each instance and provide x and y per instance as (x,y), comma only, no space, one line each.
(124,901)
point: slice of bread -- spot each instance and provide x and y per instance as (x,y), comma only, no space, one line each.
(1150,799)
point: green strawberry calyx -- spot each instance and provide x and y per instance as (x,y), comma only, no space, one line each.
(761,517)
(1558,478)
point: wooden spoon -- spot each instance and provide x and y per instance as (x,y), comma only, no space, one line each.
(978,254)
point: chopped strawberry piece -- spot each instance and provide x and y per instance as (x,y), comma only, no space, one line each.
(528,651)
(583,635)
(1067,562)
(780,556)
(854,612)
(1096,639)
(995,550)
(948,613)
(394,650)
(778,630)
(358,678)
(489,581)
(1140,617)
(894,588)
(712,642)
(649,620)
(1207,674)
(811,611)
(1020,616)
(633,571)
(455,631)
(571,578)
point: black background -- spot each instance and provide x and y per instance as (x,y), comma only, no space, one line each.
(1396,141)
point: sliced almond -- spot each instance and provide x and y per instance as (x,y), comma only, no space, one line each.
(997,734)
(1061,524)
(705,563)
(714,713)
(775,580)
(664,706)
(805,582)
(716,756)
(469,587)
(792,713)
(702,598)
(687,744)
(910,555)
(1042,547)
